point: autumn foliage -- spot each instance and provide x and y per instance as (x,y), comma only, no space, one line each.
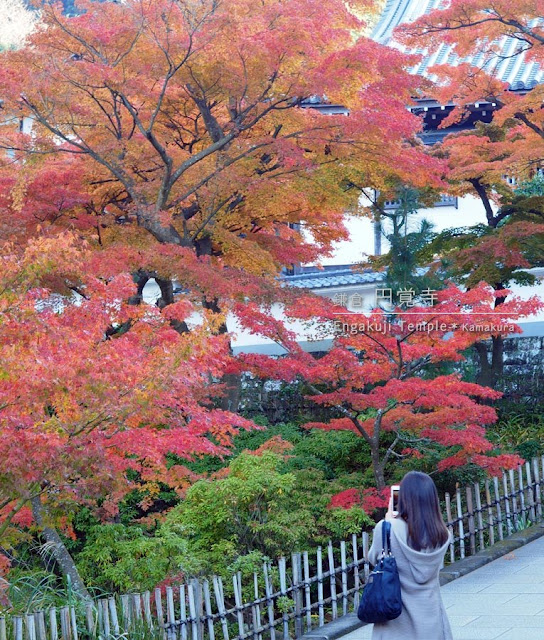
(477,29)
(189,121)
(167,140)
(380,377)
(174,140)
(80,410)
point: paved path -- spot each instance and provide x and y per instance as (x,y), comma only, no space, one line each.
(504,599)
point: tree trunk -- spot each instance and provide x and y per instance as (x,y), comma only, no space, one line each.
(233,387)
(59,551)
(167,297)
(491,364)
(140,278)
(377,466)
(232,382)
(497,358)
(484,376)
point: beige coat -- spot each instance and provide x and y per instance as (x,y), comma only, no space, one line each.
(423,614)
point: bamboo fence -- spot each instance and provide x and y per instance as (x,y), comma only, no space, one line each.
(291,597)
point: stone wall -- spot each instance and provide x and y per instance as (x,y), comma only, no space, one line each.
(522,382)
(523,378)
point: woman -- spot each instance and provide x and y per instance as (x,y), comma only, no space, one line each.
(419,540)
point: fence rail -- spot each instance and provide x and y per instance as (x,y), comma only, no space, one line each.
(291,597)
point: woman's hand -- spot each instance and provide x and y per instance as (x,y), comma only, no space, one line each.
(390,515)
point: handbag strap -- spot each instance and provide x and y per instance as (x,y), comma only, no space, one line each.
(386,538)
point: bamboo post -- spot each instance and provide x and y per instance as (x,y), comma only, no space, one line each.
(509,527)
(199,602)
(238,602)
(103,604)
(137,602)
(521,491)
(366,548)
(73,623)
(100,619)
(356,580)
(500,526)
(192,592)
(538,497)
(450,527)
(39,625)
(30,627)
(320,603)
(538,471)
(332,577)
(65,624)
(470,511)
(113,616)
(478,495)
(297,594)
(170,613)
(125,609)
(90,619)
(257,606)
(283,591)
(254,626)
(39,622)
(208,609)
(344,567)
(18,627)
(220,602)
(146,597)
(160,611)
(490,519)
(515,510)
(184,632)
(307,591)
(269,600)
(53,629)
(460,520)
(530,492)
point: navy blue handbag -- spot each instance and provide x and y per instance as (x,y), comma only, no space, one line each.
(381,599)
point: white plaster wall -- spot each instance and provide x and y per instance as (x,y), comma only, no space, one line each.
(246,341)
(469,211)
(361,230)
(526,292)
(318,337)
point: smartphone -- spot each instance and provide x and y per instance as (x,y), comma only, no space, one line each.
(395,499)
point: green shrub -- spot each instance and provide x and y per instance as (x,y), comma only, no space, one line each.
(521,432)
(258,507)
(125,558)
(334,452)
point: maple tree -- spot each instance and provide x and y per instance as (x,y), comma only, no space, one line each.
(511,146)
(199,140)
(478,28)
(186,124)
(511,241)
(78,410)
(170,139)
(378,379)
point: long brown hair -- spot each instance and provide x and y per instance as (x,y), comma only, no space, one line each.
(420,509)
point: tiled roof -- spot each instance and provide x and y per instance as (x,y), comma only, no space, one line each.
(332,278)
(506,66)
